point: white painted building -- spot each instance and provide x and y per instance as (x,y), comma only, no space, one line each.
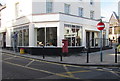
(50,21)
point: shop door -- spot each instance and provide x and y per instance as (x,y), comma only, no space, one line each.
(87,39)
(93,39)
(4,40)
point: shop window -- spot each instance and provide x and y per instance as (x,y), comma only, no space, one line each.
(22,36)
(41,36)
(51,36)
(26,37)
(47,36)
(74,34)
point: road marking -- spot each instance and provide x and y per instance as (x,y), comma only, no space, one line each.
(67,71)
(44,61)
(78,71)
(99,69)
(51,62)
(29,63)
(115,73)
(9,58)
(39,70)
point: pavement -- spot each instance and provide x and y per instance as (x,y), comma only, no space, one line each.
(77,59)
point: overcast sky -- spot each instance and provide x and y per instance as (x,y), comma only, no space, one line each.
(107,7)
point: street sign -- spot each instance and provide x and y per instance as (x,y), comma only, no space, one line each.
(100,26)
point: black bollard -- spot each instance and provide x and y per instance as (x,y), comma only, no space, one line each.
(87,55)
(43,53)
(115,55)
(61,57)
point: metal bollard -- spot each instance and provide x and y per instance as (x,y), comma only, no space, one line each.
(61,57)
(43,53)
(115,55)
(87,55)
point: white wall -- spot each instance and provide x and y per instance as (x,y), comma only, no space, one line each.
(9,16)
(39,6)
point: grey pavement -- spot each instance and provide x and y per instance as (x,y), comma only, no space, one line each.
(78,59)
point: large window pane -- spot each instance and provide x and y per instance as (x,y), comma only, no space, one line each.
(26,37)
(67,34)
(41,35)
(20,38)
(51,36)
(47,36)
(73,34)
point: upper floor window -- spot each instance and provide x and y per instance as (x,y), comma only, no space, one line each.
(49,7)
(80,11)
(92,14)
(67,8)
(91,2)
(17,9)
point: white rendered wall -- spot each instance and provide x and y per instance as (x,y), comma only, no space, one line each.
(39,6)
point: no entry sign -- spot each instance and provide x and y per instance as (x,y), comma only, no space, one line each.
(100,26)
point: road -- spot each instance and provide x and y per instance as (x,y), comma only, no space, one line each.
(18,67)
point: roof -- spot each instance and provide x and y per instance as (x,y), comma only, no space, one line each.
(115,15)
(2,7)
(0,4)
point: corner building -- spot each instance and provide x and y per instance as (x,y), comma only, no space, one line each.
(50,21)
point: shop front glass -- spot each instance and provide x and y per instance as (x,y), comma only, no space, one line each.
(73,34)
(47,36)
(22,36)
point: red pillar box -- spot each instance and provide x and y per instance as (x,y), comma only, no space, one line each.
(65,46)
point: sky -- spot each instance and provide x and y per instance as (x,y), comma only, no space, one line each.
(107,7)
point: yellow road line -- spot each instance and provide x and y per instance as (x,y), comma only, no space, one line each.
(99,69)
(67,71)
(29,63)
(39,70)
(77,71)
(9,58)
(80,71)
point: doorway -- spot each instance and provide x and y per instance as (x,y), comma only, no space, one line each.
(87,39)
(4,40)
(93,38)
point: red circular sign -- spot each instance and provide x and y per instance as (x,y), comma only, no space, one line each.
(100,26)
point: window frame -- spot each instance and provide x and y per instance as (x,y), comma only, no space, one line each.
(49,7)
(80,11)
(66,8)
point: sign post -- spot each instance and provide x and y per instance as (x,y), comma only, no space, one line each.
(101,26)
